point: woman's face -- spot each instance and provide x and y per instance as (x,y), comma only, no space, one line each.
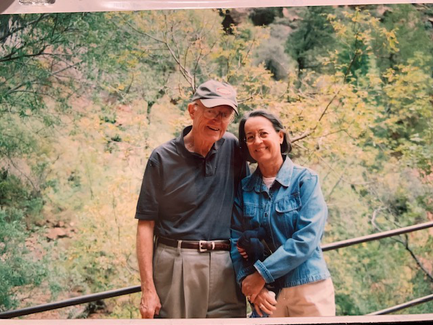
(264,143)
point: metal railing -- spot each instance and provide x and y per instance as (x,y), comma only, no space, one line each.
(403,306)
(70,302)
(135,289)
(380,235)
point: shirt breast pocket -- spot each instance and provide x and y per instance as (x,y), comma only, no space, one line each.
(250,216)
(287,212)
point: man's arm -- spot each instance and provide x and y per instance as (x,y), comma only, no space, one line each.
(150,304)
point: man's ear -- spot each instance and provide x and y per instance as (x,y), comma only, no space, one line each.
(192,109)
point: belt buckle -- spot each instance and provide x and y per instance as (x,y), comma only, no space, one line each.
(200,246)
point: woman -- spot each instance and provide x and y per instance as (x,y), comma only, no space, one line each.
(286,200)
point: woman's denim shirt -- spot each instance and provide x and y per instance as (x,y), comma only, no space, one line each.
(293,212)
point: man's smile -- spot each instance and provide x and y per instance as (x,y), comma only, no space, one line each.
(214,128)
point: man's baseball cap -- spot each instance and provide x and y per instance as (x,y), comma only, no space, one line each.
(214,93)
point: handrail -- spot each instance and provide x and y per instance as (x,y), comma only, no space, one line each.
(134,289)
(380,235)
(70,302)
(403,305)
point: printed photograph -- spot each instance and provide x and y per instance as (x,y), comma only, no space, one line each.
(311,126)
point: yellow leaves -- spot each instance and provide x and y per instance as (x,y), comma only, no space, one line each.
(390,74)
(331,17)
(392,39)
(129,58)
(340,28)
(364,36)
(374,80)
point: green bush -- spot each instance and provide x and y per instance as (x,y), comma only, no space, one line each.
(17,266)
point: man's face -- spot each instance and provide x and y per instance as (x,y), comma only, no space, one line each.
(210,123)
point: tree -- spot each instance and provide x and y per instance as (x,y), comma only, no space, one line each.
(312,39)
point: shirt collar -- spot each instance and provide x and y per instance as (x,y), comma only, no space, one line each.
(181,149)
(283,177)
(285,173)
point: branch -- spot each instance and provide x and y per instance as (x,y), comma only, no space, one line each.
(311,131)
(116,219)
(37,190)
(10,56)
(336,184)
(184,71)
(417,261)
(36,21)
(33,25)
(405,243)
(374,216)
(36,79)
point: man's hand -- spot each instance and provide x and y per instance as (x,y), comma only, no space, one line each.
(265,302)
(252,285)
(150,304)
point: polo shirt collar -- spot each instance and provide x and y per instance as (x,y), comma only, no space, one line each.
(180,144)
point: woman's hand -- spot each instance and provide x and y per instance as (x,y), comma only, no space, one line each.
(243,252)
(265,302)
(252,285)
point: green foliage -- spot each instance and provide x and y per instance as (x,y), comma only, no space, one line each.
(11,190)
(271,53)
(412,34)
(17,266)
(264,16)
(312,39)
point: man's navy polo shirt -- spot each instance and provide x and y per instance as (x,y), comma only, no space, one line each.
(190,197)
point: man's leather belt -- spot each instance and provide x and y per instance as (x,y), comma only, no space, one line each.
(201,245)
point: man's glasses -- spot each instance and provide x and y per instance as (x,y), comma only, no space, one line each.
(211,113)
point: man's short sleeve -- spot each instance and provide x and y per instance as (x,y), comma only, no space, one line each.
(147,205)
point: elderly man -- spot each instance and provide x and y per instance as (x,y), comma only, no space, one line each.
(185,204)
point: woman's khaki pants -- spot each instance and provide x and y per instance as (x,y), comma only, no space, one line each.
(307,300)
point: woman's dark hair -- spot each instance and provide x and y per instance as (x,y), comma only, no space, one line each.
(286,146)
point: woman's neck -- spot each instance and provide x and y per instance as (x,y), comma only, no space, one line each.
(270,169)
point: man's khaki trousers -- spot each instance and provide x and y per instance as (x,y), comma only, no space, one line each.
(191,284)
